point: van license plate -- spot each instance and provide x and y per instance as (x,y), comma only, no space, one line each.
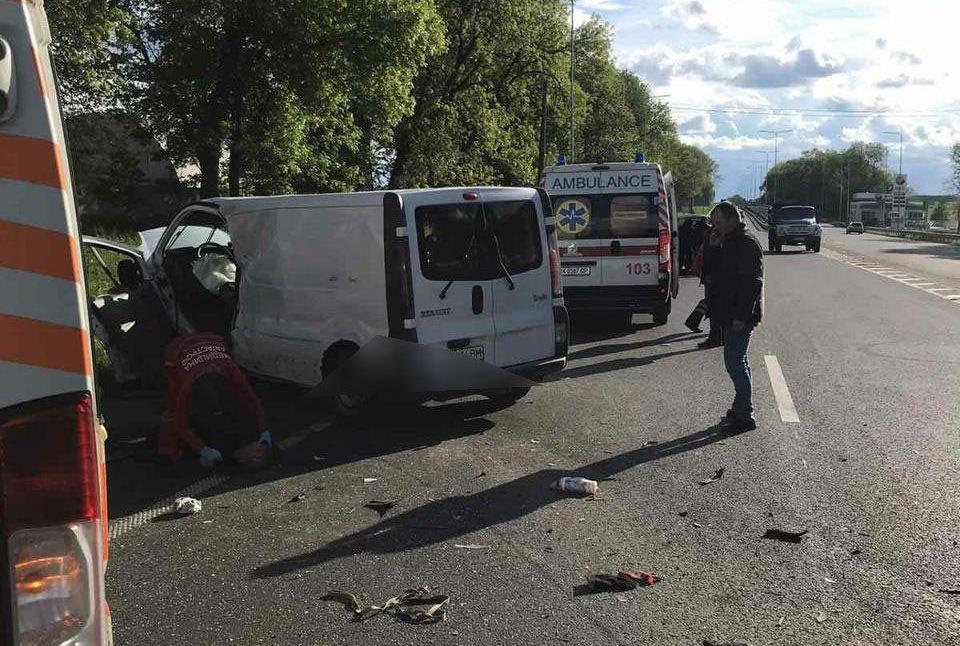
(575,271)
(474,352)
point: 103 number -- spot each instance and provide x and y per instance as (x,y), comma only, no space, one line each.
(638,268)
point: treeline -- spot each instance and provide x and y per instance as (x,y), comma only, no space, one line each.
(273,96)
(827,179)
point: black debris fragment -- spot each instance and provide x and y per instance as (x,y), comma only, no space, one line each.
(300,497)
(381,506)
(784,536)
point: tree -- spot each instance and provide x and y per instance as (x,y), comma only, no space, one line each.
(291,91)
(939,213)
(955,177)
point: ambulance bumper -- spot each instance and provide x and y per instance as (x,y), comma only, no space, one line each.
(644,299)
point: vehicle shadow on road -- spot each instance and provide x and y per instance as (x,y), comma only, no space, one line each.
(600,350)
(449,518)
(621,364)
(949,251)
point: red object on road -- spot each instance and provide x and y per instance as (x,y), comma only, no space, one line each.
(641,578)
(187,358)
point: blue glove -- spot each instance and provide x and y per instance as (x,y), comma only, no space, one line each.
(265,439)
(210,456)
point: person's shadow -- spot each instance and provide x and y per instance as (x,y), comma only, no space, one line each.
(442,520)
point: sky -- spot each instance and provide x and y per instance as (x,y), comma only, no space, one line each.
(831,72)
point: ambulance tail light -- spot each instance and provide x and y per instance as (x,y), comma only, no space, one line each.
(53,522)
(664,246)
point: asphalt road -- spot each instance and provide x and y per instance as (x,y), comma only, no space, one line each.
(937,261)
(869,471)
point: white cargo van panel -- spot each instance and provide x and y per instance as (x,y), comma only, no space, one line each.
(310,277)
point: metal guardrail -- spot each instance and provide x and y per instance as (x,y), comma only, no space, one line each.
(924,235)
(759,219)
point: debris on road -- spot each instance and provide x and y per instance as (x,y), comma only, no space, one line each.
(830,581)
(780,622)
(710,642)
(784,536)
(318,458)
(621,581)
(469,546)
(369,480)
(381,506)
(716,476)
(405,607)
(186,506)
(698,525)
(949,590)
(855,551)
(683,514)
(300,497)
(843,458)
(650,442)
(822,617)
(576,485)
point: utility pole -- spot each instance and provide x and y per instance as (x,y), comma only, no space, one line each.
(573,59)
(766,165)
(776,156)
(542,153)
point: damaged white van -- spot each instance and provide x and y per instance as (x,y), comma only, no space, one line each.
(300,282)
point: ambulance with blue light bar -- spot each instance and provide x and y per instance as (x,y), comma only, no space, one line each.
(53,538)
(617,229)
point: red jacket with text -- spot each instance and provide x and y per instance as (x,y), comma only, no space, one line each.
(186,358)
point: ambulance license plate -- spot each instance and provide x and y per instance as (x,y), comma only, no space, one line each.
(474,352)
(575,271)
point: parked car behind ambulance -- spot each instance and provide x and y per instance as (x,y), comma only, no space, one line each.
(617,224)
(300,282)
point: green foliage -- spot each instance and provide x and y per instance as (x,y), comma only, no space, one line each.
(826,179)
(275,96)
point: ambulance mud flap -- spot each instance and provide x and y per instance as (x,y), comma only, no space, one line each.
(396,367)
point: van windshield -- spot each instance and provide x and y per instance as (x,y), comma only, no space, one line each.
(456,243)
(585,217)
(794,214)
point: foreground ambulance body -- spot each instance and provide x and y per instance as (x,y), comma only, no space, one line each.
(617,224)
(52,488)
(300,282)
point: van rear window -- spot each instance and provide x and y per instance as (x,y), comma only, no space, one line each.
(606,216)
(456,240)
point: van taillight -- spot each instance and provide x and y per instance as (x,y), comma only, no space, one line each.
(664,251)
(53,521)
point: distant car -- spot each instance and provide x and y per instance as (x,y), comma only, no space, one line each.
(855,227)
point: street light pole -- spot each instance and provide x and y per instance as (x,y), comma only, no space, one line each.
(776,155)
(573,53)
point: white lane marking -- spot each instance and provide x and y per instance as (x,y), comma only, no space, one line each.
(894,274)
(788,412)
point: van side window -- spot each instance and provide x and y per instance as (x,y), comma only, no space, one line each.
(517,227)
(197,228)
(633,216)
(450,238)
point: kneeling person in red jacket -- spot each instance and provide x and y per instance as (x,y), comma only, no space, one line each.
(211,407)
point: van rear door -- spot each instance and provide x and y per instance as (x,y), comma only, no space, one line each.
(452,290)
(522,305)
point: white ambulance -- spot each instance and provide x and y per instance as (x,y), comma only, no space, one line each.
(53,539)
(617,229)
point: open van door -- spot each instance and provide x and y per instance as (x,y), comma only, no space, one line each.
(674,236)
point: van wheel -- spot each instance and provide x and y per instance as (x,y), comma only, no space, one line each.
(335,356)
(507,396)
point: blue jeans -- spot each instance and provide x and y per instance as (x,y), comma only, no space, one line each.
(735,343)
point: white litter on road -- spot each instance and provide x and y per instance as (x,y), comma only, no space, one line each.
(186,506)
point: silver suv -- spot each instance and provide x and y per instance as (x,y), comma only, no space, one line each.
(794,225)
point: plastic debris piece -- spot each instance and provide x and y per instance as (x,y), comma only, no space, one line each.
(716,476)
(405,606)
(784,536)
(650,442)
(780,621)
(827,580)
(369,480)
(822,617)
(642,578)
(576,485)
(300,497)
(469,546)
(381,506)
(186,506)
(697,525)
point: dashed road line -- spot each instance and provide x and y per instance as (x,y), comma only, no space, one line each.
(120,526)
(893,274)
(788,411)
